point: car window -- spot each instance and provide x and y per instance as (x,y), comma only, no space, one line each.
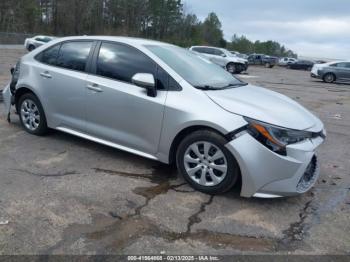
(198,49)
(49,56)
(38,39)
(209,51)
(218,52)
(341,65)
(122,62)
(197,71)
(74,55)
(347,65)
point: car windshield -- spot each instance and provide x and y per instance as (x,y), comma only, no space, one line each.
(228,53)
(196,70)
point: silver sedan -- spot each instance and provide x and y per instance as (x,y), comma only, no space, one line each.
(166,103)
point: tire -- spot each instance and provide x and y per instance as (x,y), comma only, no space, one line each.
(199,169)
(31,48)
(231,68)
(31,114)
(329,78)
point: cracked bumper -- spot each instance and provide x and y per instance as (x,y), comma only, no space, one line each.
(267,174)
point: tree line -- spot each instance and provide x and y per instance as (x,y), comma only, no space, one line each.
(165,20)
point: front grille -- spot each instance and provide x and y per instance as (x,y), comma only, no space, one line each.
(309,177)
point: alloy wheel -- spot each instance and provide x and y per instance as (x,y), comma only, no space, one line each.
(30,114)
(231,68)
(329,78)
(205,163)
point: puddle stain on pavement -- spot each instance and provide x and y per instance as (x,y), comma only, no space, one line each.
(112,233)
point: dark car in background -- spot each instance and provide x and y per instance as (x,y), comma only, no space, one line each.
(332,72)
(261,59)
(301,64)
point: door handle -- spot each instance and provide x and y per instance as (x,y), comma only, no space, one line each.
(94,87)
(45,74)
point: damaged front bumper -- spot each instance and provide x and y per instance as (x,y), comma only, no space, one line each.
(267,174)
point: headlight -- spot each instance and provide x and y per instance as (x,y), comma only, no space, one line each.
(274,137)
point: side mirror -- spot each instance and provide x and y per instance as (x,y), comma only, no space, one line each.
(12,70)
(145,81)
(223,55)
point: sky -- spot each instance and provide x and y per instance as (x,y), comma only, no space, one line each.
(311,28)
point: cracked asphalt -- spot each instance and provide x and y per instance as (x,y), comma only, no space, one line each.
(65,195)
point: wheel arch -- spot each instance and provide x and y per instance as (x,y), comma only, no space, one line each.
(188,130)
(183,133)
(24,90)
(329,73)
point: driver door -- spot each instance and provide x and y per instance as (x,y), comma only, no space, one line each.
(117,110)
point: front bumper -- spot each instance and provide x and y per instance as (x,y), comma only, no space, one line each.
(313,75)
(267,174)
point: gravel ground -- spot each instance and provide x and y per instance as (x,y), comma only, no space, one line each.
(64,195)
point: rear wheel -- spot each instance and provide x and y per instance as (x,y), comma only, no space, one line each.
(329,78)
(206,164)
(32,115)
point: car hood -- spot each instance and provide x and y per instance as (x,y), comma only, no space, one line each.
(237,59)
(266,106)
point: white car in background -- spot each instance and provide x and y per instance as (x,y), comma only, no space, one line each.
(31,43)
(286,61)
(223,58)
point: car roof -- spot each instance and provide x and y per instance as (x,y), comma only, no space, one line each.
(121,39)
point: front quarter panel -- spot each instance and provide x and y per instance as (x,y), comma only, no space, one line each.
(190,108)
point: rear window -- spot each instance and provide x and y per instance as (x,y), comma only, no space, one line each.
(49,56)
(74,55)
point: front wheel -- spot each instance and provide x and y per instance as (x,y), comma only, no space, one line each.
(32,115)
(231,68)
(206,164)
(31,48)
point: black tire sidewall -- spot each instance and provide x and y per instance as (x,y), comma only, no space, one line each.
(42,128)
(234,67)
(233,171)
(325,78)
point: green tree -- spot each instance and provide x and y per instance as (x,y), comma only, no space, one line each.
(211,31)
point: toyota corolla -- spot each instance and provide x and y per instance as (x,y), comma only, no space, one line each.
(166,103)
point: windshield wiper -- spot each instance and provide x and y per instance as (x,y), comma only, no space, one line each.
(234,85)
(207,87)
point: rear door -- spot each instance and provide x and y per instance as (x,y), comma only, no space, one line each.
(61,77)
(342,71)
(119,111)
(347,71)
